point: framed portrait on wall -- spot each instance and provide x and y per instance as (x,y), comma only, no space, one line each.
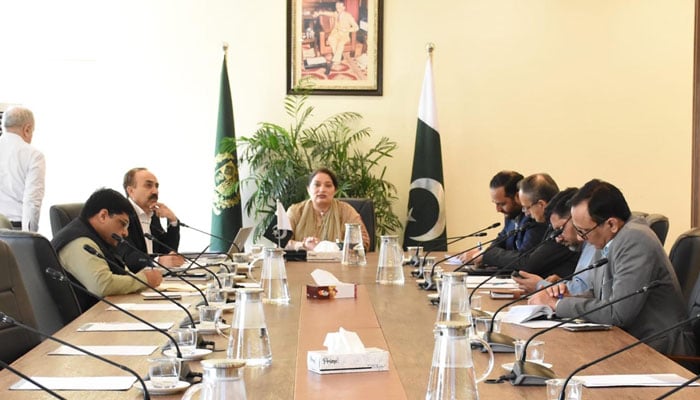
(334,47)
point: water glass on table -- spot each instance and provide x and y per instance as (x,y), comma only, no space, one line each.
(573,389)
(535,350)
(164,372)
(186,339)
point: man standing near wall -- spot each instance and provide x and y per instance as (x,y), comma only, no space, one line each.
(22,170)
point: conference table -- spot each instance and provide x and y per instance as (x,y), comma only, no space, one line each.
(404,317)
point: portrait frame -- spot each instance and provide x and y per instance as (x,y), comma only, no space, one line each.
(313,41)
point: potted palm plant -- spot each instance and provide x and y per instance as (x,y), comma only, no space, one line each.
(281,158)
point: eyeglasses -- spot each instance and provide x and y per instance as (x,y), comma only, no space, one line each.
(527,208)
(584,234)
(562,225)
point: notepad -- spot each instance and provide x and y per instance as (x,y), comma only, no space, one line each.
(148,307)
(632,380)
(78,383)
(106,350)
(122,326)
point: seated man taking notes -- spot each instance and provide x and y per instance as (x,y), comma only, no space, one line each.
(105,213)
(600,215)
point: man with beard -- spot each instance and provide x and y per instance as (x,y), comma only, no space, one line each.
(141,188)
(559,211)
(504,194)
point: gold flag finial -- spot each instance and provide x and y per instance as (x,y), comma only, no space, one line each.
(429,47)
(224,46)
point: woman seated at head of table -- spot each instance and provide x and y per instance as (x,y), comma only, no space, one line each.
(322,217)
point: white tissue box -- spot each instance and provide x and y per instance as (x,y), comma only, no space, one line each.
(333,291)
(325,256)
(373,359)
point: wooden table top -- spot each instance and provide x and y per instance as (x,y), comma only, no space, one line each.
(406,319)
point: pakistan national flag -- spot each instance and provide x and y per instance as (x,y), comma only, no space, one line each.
(426,225)
(226,211)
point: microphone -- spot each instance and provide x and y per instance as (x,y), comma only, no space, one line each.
(684,384)
(529,373)
(7,319)
(30,380)
(94,252)
(192,261)
(551,236)
(501,343)
(529,224)
(429,284)
(170,271)
(454,239)
(637,343)
(230,242)
(62,278)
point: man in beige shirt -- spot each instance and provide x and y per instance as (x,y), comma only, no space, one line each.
(105,213)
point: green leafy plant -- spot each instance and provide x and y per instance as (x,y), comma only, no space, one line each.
(280,160)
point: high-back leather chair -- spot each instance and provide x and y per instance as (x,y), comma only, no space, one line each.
(657,222)
(5,223)
(52,302)
(365,207)
(14,301)
(685,257)
(62,214)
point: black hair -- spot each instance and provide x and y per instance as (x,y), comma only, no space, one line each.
(604,201)
(108,199)
(560,204)
(508,180)
(323,171)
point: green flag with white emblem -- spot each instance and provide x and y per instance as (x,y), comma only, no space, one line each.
(226,211)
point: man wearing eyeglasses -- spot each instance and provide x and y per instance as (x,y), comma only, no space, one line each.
(105,213)
(559,212)
(601,216)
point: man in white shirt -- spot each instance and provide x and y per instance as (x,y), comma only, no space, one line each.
(22,170)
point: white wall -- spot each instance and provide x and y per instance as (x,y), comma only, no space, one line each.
(580,89)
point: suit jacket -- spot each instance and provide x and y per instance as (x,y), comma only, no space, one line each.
(498,256)
(637,258)
(171,237)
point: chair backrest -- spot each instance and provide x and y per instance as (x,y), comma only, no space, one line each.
(657,222)
(14,301)
(685,257)
(53,303)
(365,207)
(5,223)
(62,214)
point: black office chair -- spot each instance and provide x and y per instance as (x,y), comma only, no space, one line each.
(52,302)
(685,257)
(365,207)
(14,301)
(62,214)
(657,222)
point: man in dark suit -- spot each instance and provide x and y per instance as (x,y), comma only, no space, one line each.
(141,188)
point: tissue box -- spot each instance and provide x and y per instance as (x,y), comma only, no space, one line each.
(373,359)
(337,291)
(326,256)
